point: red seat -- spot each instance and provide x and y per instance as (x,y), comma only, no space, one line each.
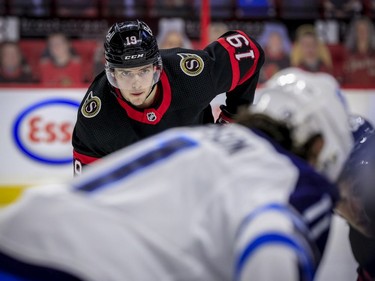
(338,57)
(86,49)
(34,48)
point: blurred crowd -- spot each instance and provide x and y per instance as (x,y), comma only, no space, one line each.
(182,8)
(60,60)
(352,62)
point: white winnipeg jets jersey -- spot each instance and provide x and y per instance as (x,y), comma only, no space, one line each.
(206,203)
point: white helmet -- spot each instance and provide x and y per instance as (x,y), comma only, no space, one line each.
(310,104)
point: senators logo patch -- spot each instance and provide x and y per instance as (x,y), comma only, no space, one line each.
(92,106)
(191,64)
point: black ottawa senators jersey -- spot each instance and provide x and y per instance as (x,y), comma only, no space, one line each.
(190,80)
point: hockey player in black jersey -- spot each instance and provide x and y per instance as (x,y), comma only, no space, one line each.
(144,91)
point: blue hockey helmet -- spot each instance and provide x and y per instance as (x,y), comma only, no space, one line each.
(361,128)
(310,104)
(358,179)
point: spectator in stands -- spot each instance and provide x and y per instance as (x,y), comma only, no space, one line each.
(13,66)
(370,8)
(77,8)
(276,45)
(359,64)
(216,30)
(37,8)
(98,59)
(342,8)
(60,65)
(98,55)
(309,52)
(172,34)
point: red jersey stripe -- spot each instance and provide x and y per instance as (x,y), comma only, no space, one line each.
(84,159)
(234,63)
(256,59)
(236,79)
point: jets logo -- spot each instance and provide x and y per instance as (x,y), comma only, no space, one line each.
(91,106)
(191,64)
(151,116)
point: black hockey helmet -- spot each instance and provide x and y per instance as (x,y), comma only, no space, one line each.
(131,44)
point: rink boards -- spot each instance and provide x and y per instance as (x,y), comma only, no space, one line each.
(36,127)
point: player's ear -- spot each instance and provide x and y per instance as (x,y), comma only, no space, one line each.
(313,148)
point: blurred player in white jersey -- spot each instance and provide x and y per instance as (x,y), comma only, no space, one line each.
(246,201)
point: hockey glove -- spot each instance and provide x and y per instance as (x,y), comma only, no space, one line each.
(225,117)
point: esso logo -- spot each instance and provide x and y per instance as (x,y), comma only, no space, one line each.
(43,131)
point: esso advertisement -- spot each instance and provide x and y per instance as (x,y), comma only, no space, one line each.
(43,130)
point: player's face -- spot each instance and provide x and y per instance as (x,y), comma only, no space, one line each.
(351,209)
(309,47)
(135,83)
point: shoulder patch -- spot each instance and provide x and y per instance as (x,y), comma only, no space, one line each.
(191,64)
(91,106)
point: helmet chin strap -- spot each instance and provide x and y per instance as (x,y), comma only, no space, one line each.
(149,94)
(152,88)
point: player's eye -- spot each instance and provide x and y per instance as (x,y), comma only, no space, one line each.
(144,71)
(126,74)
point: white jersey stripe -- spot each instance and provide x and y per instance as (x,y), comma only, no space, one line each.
(317,209)
(321,226)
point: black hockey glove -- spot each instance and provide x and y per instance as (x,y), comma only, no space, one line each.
(225,117)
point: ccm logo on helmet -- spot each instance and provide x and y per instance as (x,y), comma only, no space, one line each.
(134,57)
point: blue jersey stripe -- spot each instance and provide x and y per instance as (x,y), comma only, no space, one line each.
(306,264)
(149,158)
(9,277)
